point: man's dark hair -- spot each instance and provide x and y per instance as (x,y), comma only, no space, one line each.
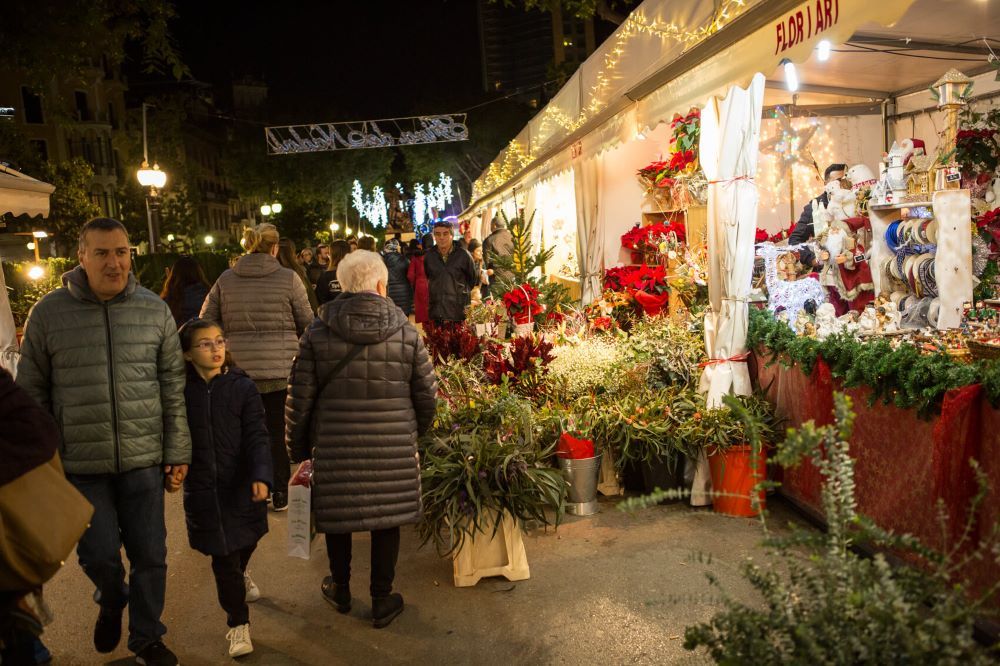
(442,223)
(100,224)
(833,167)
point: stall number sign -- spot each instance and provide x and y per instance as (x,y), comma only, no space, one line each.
(802,24)
(576,150)
(6,112)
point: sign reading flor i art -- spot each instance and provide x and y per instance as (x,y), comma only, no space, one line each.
(324,137)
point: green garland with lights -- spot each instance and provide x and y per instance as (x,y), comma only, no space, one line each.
(902,377)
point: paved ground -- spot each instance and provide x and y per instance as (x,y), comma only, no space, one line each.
(610,589)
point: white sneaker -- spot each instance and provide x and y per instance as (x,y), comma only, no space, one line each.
(253,592)
(239,641)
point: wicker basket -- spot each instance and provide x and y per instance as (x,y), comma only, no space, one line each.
(982,351)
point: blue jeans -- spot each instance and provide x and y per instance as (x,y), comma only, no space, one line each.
(128,510)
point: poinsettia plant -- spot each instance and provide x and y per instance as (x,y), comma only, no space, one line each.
(988,225)
(683,160)
(449,340)
(521,365)
(522,303)
(648,238)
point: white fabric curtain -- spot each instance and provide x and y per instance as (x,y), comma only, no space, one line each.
(587,181)
(730,134)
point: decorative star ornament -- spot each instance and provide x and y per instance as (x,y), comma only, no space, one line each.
(789,145)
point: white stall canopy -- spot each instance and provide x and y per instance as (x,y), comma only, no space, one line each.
(671,55)
(23,195)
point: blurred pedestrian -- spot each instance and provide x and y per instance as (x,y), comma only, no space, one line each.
(366,243)
(320,263)
(185,289)
(361,391)
(263,308)
(352,242)
(450,276)
(417,277)
(483,273)
(328,287)
(500,243)
(231,472)
(305,257)
(399,287)
(102,354)
(288,259)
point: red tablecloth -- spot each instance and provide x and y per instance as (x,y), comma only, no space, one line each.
(904,464)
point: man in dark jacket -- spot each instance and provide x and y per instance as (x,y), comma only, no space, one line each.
(102,355)
(361,390)
(451,275)
(803,231)
(499,243)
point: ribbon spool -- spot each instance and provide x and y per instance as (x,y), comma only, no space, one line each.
(892,238)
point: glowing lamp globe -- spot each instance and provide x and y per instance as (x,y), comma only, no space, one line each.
(151,177)
(36,272)
(334,226)
(39,234)
(265,210)
(276,208)
(209,240)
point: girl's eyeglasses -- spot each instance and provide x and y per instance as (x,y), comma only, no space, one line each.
(210,345)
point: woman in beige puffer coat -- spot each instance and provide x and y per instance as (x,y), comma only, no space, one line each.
(263,309)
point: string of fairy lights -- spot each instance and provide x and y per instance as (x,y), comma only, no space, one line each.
(516,156)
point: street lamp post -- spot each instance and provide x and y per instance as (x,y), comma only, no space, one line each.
(153,179)
(270,209)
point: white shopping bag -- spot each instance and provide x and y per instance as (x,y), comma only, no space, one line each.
(300,527)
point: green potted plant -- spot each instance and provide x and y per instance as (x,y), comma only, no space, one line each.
(737,460)
(488,317)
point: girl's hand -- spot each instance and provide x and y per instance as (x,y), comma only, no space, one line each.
(259,491)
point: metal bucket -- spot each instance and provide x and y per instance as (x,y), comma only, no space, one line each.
(582,476)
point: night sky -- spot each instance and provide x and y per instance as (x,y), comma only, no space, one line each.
(344,60)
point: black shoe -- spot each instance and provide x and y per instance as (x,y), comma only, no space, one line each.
(279,501)
(156,654)
(338,596)
(108,630)
(385,609)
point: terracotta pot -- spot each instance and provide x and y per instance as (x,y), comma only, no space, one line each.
(733,480)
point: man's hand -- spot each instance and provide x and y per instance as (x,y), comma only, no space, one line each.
(174,477)
(841,259)
(824,256)
(259,491)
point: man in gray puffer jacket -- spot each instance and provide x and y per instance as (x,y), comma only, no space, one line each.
(102,355)
(362,388)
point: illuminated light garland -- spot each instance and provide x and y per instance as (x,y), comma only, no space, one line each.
(788,149)
(635,24)
(375,209)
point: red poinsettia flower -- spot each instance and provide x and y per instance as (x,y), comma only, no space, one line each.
(652,304)
(522,303)
(761,236)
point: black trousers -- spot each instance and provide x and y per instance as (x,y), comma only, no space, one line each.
(385,552)
(229,570)
(274,413)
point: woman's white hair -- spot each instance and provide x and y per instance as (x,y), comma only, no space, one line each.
(362,270)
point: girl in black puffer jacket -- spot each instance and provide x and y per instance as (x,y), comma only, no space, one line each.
(230,473)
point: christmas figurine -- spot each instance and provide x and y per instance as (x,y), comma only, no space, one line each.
(845,272)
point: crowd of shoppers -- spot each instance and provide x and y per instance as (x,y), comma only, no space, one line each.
(217,388)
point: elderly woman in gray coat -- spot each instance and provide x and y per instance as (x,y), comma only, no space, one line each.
(362,389)
(263,308)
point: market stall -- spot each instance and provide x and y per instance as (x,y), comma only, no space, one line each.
(19,195)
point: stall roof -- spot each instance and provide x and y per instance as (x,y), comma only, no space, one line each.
(887,48)
(23,195)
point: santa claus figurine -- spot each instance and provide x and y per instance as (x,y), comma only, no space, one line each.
(845,271)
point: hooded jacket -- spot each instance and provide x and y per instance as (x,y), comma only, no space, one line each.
(399,289)
(231,450)
(263,308)
(361,427)
(110,373)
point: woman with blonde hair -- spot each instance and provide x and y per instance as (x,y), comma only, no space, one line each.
(263,308)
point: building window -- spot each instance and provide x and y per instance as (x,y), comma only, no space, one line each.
(112,116)
(32,106)
(82,107)
(41,147)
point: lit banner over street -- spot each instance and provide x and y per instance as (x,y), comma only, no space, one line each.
(325,137)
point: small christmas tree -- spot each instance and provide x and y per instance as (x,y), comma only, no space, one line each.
(526,266)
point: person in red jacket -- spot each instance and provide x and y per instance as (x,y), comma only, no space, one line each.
(418,280)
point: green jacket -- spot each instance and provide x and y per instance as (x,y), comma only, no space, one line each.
(111,373)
